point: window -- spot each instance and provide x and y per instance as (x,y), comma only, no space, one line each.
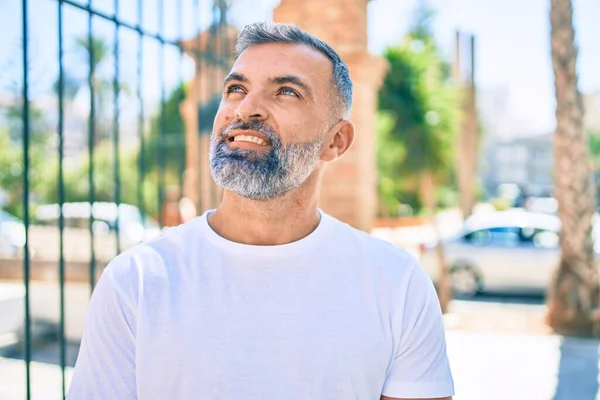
(498,237)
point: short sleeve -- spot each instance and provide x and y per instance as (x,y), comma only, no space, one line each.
(420,368)
(105,367)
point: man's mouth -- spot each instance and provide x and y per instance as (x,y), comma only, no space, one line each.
(247,139)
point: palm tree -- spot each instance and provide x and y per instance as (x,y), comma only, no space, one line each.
(94,52)
(573,300)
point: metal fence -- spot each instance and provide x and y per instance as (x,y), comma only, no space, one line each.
(116,186)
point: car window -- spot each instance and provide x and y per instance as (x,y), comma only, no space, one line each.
(504,237)
(478,238)
(500,237)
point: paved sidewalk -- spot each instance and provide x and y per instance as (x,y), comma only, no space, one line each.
(486,366)
(498,351)
(504,351)
(490,366)
(46,380)
(497,317)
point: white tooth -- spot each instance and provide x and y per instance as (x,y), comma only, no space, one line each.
(249,138)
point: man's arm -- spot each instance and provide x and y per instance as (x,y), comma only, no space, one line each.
(420,369)
(105,367)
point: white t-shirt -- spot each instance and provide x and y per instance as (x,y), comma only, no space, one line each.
(337,315)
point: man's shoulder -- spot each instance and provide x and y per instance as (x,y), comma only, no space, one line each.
(392,270)
(160,252)
(376,250)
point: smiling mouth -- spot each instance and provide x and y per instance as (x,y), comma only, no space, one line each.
(242,139)
(248,138)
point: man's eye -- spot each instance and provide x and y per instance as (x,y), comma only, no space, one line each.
(234,89)
(288,92)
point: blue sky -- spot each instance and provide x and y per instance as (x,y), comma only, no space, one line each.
(512,42)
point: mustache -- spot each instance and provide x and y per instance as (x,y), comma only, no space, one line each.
(254,125)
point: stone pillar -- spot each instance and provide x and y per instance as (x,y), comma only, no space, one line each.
(349,190)
(189,113)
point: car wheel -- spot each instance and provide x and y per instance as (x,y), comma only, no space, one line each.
(466,282)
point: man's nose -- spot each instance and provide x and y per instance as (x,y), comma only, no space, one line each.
(251,108)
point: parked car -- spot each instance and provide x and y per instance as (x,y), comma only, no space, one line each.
(12,235)
(133,229)
(546,205)
(512,250)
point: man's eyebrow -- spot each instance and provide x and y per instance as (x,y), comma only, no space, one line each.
(234,76)
(293,80)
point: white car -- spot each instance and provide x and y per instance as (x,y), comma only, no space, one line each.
(511,250)
(12,235)
(133,229)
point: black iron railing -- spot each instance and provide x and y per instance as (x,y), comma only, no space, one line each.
(160,167)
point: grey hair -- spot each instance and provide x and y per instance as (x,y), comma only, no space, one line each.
(270,32)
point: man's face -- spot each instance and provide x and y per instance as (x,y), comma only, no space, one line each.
(272,121)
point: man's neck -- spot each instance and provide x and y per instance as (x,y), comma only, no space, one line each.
(266,223)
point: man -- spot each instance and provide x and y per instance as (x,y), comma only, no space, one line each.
(267,297)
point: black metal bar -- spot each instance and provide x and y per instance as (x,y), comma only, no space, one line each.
(91,140)
(225,39)
(213,49)
(26,265)
(161,148)
(225,56)
(116,134)
(196,52)
(180,128)
(90,10)
(142,154)
(61,200)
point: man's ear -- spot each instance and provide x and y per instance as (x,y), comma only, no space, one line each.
(340,138)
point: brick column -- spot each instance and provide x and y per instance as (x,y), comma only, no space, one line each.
(189,113)
(349,186)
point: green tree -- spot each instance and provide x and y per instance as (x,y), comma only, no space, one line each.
(11,156)
(10,170)
(95,52)
(594,148)
(77,185)
(418,106)
(76,171)
(169,144)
